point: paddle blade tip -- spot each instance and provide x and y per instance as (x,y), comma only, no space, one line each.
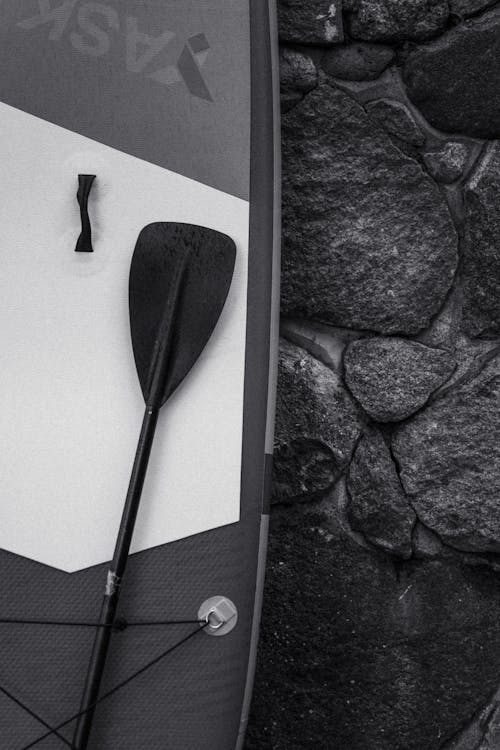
(207,259)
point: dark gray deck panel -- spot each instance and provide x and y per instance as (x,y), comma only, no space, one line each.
(114,71)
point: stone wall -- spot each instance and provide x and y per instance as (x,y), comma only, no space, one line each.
(381,619)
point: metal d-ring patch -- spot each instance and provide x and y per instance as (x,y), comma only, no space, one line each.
(220,614)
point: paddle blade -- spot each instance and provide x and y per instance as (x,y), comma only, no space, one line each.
(182,272)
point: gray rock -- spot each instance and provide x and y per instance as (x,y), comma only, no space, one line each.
(378,507)
(359,61)
(449,459)
(482,732)
(317,427)
(454,80)
(392,378)
(465,8)
(397,120)
(481,262)
(448,163)
(370,655)
(397,20)
(368,238)
(298,75)
(311,21)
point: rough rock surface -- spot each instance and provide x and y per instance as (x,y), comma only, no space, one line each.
(360,653)
(311,22)
(298,75)
(392,378)
(360,61)
(481,263)
(317,427)
(384,258)
(449,459)
(378,506)
(397,20)
(380,625)
(397,120)
(483,732)
(454,80)
(447,164)
(465,8)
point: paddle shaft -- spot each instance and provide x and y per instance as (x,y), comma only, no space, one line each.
(113,584)
(158,380)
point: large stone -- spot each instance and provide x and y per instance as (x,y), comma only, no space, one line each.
(449,460)
(392,378)
(368,238)
(397,119)
(360,653)
(455,80)
(317,427)
(397,20)
(378,507)
(311,21)
(481,263)
(359,61)
(298,75)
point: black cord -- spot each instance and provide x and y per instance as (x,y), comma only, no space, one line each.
(167,622)
(34,715)
(119,624)
(120,685)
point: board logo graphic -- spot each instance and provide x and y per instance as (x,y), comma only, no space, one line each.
(96,29)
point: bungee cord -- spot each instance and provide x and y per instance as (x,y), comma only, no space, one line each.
(119,624)
(54,730)
(33,714)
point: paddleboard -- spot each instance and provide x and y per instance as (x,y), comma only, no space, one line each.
(114,116)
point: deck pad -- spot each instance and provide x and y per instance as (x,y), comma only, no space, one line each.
(70,355)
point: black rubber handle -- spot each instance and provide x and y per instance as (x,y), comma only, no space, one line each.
(84,243)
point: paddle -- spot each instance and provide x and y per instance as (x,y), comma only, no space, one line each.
(179,281)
